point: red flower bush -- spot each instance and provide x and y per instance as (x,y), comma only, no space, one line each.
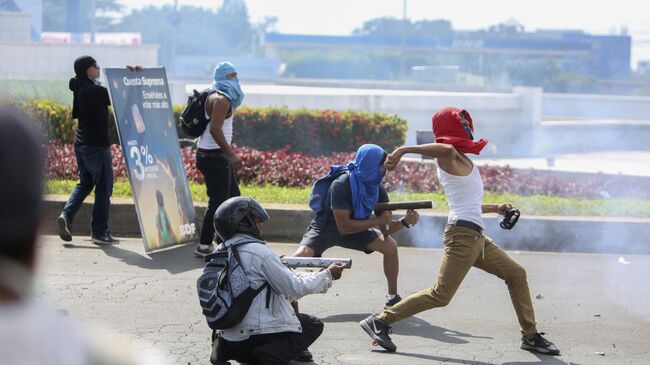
(284,168)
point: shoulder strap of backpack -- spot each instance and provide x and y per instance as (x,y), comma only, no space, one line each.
(263,286)
(207,92)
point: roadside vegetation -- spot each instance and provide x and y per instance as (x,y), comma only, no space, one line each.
(529,205)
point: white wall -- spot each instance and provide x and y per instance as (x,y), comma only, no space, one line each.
(584,106)
(14,27)
(35,61)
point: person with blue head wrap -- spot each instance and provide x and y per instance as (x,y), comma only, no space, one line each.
(225,80)
(345,217)
(215,157)
(365,177)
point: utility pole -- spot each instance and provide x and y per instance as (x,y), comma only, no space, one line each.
(93,10)
(402,65)
(173,19)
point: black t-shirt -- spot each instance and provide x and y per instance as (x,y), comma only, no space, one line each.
(339,196)
(92,129)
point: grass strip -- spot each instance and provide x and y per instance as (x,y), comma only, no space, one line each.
(529,205)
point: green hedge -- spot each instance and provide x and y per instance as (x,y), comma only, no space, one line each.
(316,132)
(313,132)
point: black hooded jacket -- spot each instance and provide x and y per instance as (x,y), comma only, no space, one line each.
(90,106)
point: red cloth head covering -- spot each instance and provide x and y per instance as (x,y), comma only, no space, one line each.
(448,128)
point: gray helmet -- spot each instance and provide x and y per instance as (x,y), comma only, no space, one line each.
(237,215)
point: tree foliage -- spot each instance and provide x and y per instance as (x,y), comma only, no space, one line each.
(192,30)
(55,13)
(389,27)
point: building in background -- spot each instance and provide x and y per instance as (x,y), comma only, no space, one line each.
(30,9)
(30,54)
(486,53)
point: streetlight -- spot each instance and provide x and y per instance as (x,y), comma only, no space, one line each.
(402,65)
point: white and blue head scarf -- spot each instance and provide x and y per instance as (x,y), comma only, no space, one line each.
(229,87)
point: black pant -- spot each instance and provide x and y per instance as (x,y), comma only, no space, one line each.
(273,348)
(221,184)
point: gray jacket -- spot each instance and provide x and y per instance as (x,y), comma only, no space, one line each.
(263,265)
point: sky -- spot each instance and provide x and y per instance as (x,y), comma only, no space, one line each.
(341,17)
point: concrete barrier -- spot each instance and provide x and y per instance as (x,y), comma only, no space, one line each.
(287,224)
(587,106)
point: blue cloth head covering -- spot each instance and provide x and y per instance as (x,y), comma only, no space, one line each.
(365,177)
(230,87)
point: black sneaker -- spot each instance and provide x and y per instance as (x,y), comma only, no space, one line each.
(391,302)
(378,330)
(104,239)
(304,356)
(203,250)
(539,344)
(64,228)
(218,355)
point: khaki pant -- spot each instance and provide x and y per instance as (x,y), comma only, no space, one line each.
(464,249)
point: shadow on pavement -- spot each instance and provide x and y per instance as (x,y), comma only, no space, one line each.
(347,317)
(543,359)
(89,246)
(412,326)
(443,359)
(175,260)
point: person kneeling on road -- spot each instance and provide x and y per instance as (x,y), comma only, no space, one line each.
(271,332)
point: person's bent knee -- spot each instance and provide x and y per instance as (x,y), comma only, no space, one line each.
(386,245)
(318,327)
(311,326)
(440,296)
(515,274)
(304,251)
(391,246)
(444,301)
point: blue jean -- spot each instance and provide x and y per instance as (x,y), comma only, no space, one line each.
(95,171)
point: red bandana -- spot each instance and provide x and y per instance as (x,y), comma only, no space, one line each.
(448,128)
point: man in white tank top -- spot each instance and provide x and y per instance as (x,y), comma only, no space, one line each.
(465,243)
(215,157)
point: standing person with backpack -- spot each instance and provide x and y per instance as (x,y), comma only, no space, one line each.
(343,214)
(465,244)
(252,311)
(215,157)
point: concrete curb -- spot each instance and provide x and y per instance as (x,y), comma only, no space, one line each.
(538,233)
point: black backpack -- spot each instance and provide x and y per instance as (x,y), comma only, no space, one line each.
(193,120)
(224,290)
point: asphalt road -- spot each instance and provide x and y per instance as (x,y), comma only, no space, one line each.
(595,307)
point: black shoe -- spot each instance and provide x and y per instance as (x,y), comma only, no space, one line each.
(378,330)
(203,250)
(218,355)
(104,239)
(539,344)
(391,302)
(64,228)
(304,356)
